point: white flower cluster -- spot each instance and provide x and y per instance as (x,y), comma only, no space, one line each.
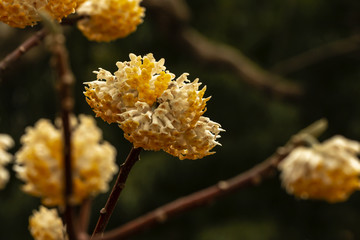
(39,163)
(46,224)
(109,19)
(155,110)
(22,13)
(328,171)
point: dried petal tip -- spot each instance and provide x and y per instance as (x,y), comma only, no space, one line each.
(109,19)
(329,171)
(46,224)
(39,163)
(155,110)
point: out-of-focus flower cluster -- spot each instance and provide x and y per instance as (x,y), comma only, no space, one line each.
(5,143)
(105,20)
(39,163)
(109,19)
(155,110)
(46,224)
(22,13)
(329,171)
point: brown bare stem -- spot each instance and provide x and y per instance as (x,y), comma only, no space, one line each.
(173,18)
(249,178)
(84,214)
(252,177)
(31,42)
(318,54)
(245,68)
(83,219)
(65,81)
(125,168)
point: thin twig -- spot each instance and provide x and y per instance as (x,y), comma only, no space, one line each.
(252,177)
(173,17)
(65,82)
(83,219)
(84,215)
(245,68)
(318,54)
(31,42)
(249,178)
(105,213)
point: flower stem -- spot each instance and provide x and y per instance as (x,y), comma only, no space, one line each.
(249,178)
(252,177)
(65,81)
(125,168)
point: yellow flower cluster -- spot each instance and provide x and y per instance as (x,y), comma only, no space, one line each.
(154,110)
(329,171)
(46,224)
(5,143)
(109,19)
(39,163)
(22,13)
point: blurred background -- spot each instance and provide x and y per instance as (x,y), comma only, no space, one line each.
(310,49)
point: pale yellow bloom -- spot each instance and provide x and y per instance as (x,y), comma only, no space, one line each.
(5,143)
(22,13)
(155,110)
(329,171)
(39,163)
(46,224)
(109,19)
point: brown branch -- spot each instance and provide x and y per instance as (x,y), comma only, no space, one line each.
(318,54)
(65,82)
(173,17)
(245,68)
(31,42)
(251,177)
(105,213)
(83,219)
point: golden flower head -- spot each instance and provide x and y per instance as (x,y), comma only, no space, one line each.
(46,224)
(5,143)
(39,163)
(109,19)
(328,171)
(22,13)
(154,110)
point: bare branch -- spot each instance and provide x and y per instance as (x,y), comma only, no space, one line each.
(84,218)
(125,168)
(174,22)
(246,69)
(252,177)
(65,81)
(31,42)
(318,54)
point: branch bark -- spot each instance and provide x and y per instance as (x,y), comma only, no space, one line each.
(65,81)
(31,42)
(173,17)
(318,54)
(105,213)
(252,177)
